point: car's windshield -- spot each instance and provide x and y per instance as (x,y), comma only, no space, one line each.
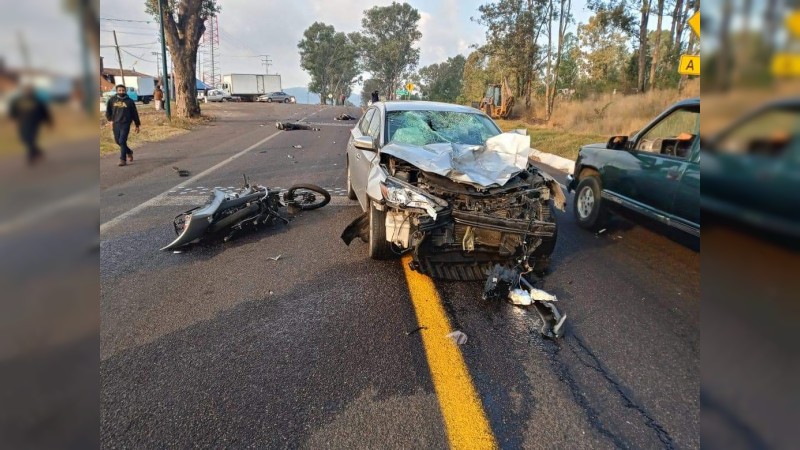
(430,127)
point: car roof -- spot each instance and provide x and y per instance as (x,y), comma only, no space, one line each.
(395,105)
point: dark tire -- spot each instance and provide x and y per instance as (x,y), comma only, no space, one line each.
(145,100)
(379,247)
(588,205)
(286,100)
(351,194)
(307,196)
(269,100)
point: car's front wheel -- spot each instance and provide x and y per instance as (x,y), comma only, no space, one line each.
(269,100)
(286,100)
(588,205)
(379,247)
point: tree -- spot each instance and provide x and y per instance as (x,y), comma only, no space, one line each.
(657,44)
(443,81)
(387,39)
(603,54)
(330,58)
(513,28)
(564,17)
(184,25)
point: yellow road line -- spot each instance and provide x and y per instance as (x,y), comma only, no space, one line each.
(464,418)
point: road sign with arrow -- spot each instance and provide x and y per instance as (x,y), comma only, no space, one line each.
(690,64)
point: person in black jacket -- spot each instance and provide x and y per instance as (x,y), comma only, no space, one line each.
(375,97)
(121,111)
(30,113)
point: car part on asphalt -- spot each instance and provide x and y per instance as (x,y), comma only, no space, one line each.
(180,172)
(504,283)
(230,213)
(345,117)
(288,126)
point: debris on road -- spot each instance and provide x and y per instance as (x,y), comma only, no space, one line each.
(416,330)
(274,258)
(180,172)
(344,117)
(510,284)
(288,126)
(601,231)
(297,146)
(457,337)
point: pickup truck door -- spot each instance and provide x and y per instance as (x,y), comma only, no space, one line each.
(662,152)
(686,205)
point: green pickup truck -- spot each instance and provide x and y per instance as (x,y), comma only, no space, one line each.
(655,172)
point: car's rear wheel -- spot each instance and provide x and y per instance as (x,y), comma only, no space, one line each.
(351,193)
(588,205)
(379,247)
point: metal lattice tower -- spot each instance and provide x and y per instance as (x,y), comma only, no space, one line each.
(210,45)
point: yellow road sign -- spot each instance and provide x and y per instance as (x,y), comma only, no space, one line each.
(786,65)
(690,65)
(410,87)
(793,23)
(694,22)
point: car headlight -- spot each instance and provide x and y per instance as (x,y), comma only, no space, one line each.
(399,193)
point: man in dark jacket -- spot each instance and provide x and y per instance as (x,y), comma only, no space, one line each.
(121,111)
(375,97)
(30,113)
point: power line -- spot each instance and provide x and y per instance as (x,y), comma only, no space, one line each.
(139,57)
(130,32)
(126,20)
(144,44)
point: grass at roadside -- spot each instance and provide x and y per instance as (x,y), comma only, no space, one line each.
(155,127)
(555,141)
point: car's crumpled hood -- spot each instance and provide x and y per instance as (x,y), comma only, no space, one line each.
(500,159)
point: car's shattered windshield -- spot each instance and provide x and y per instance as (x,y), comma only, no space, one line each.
(431,127)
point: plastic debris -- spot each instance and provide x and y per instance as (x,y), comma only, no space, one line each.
(297,146)
(290,156)
(274,258)
(542,296)
(520,297)
(601,231)
(177,252)
(457,337)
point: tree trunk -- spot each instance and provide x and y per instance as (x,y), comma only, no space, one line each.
(642,82)
(548,81)
(184,77)
(770,25)
(563,22)
(676,14)
(657,46)
(724,55)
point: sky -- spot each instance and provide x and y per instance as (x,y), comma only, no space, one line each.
(257,27)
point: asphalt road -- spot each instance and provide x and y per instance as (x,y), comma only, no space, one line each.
(220,346)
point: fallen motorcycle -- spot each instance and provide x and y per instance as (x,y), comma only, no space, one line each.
(228,214)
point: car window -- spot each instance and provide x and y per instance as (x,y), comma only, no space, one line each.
(674,135)
(375,126)
(429,127)
(768,134)
(364,125)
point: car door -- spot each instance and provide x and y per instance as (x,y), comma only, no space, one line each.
(360,160)
(661,156)
(686,207)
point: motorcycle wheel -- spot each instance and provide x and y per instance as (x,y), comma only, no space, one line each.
(307,196)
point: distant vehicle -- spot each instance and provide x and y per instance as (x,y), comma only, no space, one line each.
(750,169)
(143,85)
(281,97)
(251,86)
(217,95)
(499,100)
(132,94)
(655,172)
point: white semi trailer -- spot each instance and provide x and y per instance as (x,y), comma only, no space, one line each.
(249,86)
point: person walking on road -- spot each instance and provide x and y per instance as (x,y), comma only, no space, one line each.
(375,97)
(121,111)
(30,112)
(158,96)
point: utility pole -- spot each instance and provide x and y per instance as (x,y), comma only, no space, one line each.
(23,48)
(119,58)
(165,78)
(266,62)
(158,63)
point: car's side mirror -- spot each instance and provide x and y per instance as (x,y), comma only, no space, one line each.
(364,143)
(617,143)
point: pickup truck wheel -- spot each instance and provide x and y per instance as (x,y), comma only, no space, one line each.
(379,247)
(351,194)
(588,205)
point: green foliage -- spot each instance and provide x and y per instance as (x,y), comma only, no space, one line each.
(442,82)
(331,58)
(387,40)
(603,55)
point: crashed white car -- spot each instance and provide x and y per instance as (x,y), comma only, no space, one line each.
(443,183)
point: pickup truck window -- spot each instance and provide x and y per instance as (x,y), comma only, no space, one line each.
(674,135)
(768,134)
